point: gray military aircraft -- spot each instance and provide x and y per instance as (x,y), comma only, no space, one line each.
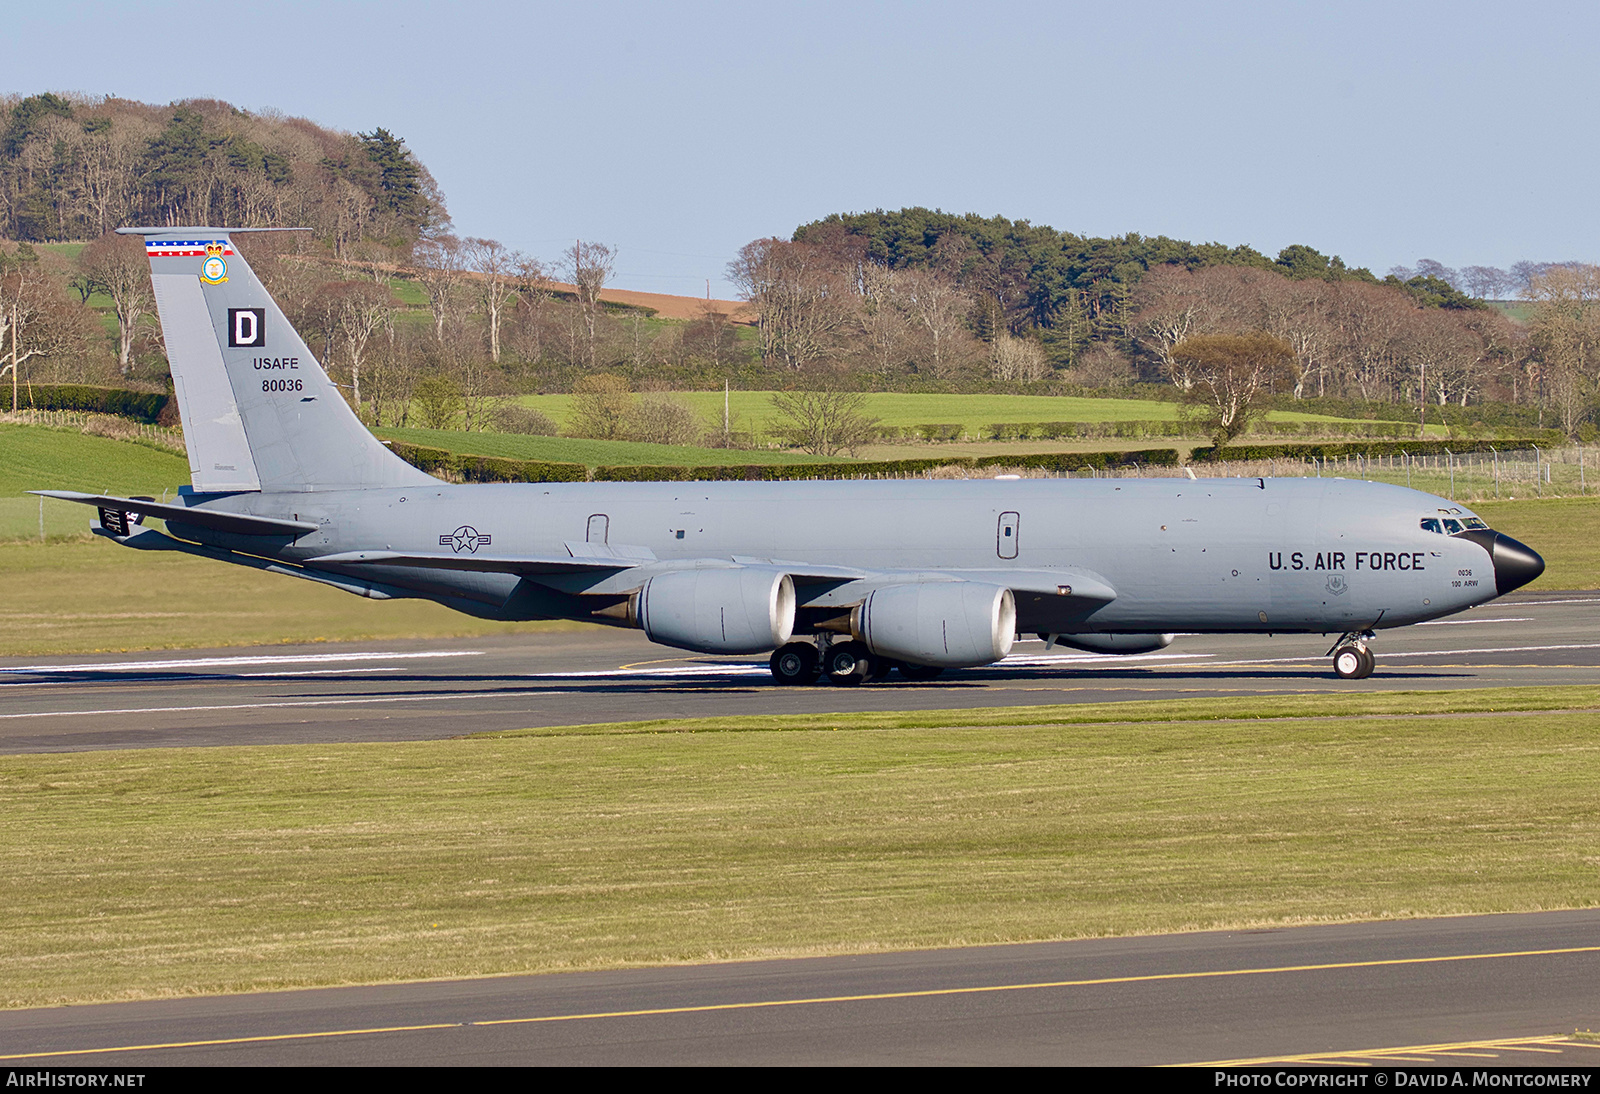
(843,579)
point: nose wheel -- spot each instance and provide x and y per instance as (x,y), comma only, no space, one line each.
(1351,658)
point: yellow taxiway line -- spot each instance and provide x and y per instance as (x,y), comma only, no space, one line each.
(862,998)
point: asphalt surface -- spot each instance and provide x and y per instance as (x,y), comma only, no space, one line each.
(1418,992)
(1471,991)
(393,691)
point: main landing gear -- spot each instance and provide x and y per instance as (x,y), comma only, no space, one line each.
(1351,658)
(844,663)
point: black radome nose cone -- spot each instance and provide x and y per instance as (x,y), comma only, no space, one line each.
(1515,564)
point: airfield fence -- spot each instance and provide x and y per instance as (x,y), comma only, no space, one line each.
(114,426)
(1468,476)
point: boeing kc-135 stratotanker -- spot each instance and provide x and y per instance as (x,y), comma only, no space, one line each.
(843,579)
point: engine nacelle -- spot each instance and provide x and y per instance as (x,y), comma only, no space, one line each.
(730,610)
(950,624)
(1112,643)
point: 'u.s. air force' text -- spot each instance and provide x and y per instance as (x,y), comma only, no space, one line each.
(1362,560)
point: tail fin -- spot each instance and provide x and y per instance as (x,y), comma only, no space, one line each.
(258,411)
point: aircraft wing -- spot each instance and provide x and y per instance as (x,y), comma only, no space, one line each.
(849,582)
(523,566)
(236,523)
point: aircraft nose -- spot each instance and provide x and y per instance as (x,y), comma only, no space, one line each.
(1515,564)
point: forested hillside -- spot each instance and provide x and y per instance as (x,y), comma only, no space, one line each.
(74,170)
(414,320)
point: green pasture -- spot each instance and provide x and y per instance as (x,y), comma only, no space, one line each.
(183,871)
(753,409)
(517,446)
(41,458)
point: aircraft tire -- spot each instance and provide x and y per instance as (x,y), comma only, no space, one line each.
(847,663)
(1353,662)
(919,672)
(879,669)
(795,664)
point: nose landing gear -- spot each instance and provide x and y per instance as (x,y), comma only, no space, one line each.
(1351,658)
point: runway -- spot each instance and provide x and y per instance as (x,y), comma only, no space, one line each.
(1470,992)
(413,690)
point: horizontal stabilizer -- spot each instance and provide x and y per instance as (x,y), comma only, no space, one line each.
(475,563)
(242,524)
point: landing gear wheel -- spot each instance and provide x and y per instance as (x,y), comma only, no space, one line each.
(919,672)
(795,663)
(879,670)
(847,663)
(1353,662)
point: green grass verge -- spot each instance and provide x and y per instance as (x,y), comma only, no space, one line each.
(175,871)
(90,595)
(1566,531)
(593,453)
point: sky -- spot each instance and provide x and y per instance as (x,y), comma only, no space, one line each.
(678,132)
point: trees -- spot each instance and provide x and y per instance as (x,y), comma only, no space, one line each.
(355,310)
(117,266)
(498,270)
(600,407)
(440,265)
(587,267)
(825,422)
(1565,337)
(1231,375)
(803,301)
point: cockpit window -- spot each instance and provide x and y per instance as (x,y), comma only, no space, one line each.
(1449,526)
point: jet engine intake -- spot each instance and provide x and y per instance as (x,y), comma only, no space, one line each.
(1111,643)
(948,624)
(731,610)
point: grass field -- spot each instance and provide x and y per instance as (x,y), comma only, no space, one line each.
(173,871)
(90,595)
(592,453)
(753,409)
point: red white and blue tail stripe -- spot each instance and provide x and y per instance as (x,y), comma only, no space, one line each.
(184,248)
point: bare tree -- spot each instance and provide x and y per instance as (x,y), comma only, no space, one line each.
(600,407)
(1566,335)
(440,265)
(587,267)
(37,321)
(357,309)
(804,302)
(117,266)
(824,422)
(1017,360)
(498,271)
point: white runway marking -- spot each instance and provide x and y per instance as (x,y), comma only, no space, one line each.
(359,700)
(225,662)
(1460,622)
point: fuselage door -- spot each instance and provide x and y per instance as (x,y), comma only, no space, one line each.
(599,528)
(1006,535)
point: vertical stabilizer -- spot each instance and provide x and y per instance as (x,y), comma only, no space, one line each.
(258,411)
